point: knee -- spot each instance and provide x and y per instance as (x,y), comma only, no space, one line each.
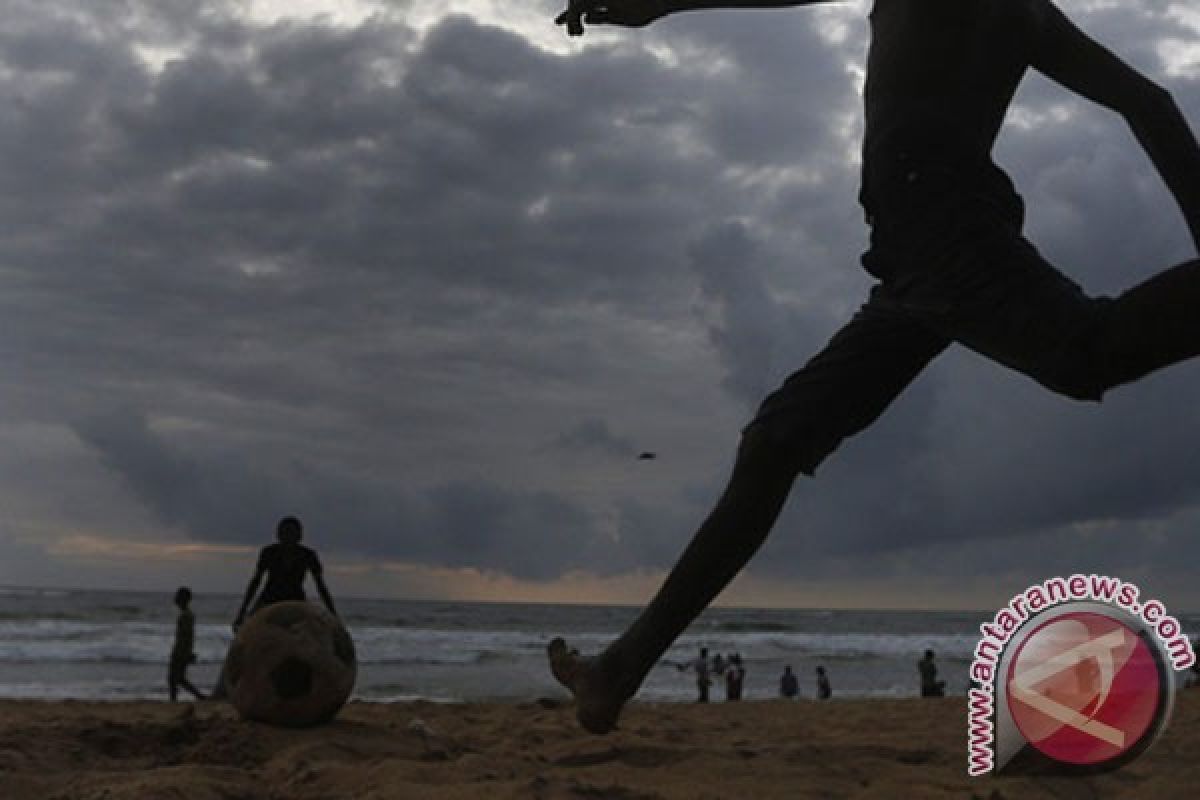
(778,446)
(1081,368)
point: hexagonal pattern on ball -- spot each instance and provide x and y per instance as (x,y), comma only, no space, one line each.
(291,664)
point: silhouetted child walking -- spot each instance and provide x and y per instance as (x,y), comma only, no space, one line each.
(182,651)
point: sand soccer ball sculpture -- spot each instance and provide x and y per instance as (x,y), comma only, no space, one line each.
(291,664)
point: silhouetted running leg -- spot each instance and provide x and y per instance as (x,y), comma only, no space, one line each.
(1022,313)
(733,532)
(176,679)
(841,391)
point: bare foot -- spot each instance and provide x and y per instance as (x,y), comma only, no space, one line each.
(599,697)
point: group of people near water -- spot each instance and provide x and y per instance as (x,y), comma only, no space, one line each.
(789,684)
(731,669)
(734,672)
(284,565)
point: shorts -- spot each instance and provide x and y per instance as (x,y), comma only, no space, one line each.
(953,268)
(177,669)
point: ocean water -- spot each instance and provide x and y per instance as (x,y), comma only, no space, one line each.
(114,646)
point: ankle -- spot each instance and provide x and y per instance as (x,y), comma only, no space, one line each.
(620,671)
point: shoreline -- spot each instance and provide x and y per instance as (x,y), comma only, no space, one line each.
(684,697)
(862,748)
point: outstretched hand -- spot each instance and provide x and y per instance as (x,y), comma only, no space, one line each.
(627,13)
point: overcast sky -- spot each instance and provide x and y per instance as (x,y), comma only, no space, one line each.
(430,276)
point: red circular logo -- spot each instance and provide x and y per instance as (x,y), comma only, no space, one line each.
(1084,688)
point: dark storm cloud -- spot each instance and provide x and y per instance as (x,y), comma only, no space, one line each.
(758,338)
(219,495)
(366,274)
(594,435)
(747,324)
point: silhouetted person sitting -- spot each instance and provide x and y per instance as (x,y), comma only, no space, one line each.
(930,685)
(285,564)
(182,651)
(824,689)
(789,686)
(952,266)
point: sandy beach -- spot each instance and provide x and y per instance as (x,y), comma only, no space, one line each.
(767,749)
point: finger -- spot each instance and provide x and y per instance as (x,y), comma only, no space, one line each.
(561,19)
(597,17)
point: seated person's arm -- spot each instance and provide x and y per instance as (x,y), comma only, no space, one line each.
(318,574)
(636,13)
(1069,57)
(326,597)
(251,590)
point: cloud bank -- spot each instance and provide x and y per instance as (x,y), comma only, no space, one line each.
(432,285)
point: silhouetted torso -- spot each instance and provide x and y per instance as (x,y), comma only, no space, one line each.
(185,636)
(286,566)
(940,77)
